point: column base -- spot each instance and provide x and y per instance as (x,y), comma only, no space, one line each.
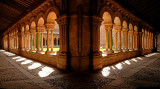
(116,51)
(110,51)
(120,50)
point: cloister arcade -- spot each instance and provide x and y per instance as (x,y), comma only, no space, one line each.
(54,38)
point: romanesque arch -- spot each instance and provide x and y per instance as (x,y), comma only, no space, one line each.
(106,32)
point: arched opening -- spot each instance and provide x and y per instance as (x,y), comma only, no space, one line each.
(130,37)
(33,36)
(27,38)
(117,35)
(39,35)
(106,33)
(124,36)
(135,37)
(52,33)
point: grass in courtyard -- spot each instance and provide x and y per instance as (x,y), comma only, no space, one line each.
(55,49)
(102,50)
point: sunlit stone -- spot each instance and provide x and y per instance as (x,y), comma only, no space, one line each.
(34,66)
(119,66)
(133,59)
(45,71)
(21,59)
(106,71)
(16,57)
(26,62)
(127,62)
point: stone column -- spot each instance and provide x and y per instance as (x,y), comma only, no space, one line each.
(63,54)
(33,33)
(38,41)
(132,41)
(42,42)
(135,40)
(31,41)
(119,31)
(129,42)
(52,41)
(47,41)
(116,45)
(28,40)
(50,27)
(124,34)
(40,30)
(106,28)
(126,40)
(34,40)
(110,30)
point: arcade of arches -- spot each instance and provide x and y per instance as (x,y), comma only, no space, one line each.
(70,39)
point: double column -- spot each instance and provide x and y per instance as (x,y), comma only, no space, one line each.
(32,41)
(117,30)
(124,35)
(40,30)
(130,39)
(135,40)
(108,28)
(27,33)
(50,27)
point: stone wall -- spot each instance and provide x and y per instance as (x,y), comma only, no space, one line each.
(158,42)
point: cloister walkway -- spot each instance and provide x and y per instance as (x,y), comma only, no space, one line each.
(18,72)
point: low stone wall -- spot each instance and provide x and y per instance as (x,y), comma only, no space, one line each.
(116,57)
(14,51)
(45,58)
(146,51)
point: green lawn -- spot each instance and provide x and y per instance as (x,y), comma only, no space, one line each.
(55,49)
(102,50)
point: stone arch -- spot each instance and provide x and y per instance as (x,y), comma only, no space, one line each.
(27,27)
(40,22)
(117,21)
(130,26)
(107,19)
(135,28)
(124,24)
(117,14)
(52,9)
(22,30)
(33,25)
(51,17)
(40,17)
(106,9)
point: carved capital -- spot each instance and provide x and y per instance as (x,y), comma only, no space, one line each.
(108,26)
(50,26)
(33,30)
(62,20)
(117,27)
(40,29)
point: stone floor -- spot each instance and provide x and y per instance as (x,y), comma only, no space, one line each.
(17,72)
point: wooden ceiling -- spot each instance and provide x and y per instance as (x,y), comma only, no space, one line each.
(147,10)
(13,10)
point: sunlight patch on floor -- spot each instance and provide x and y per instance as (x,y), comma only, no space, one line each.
(34,66)
(26,62)
(45,71)
(105,71)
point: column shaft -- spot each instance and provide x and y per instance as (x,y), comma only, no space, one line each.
(41,41)
(47,40)
(38,41)
(52,40)
(106,40)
